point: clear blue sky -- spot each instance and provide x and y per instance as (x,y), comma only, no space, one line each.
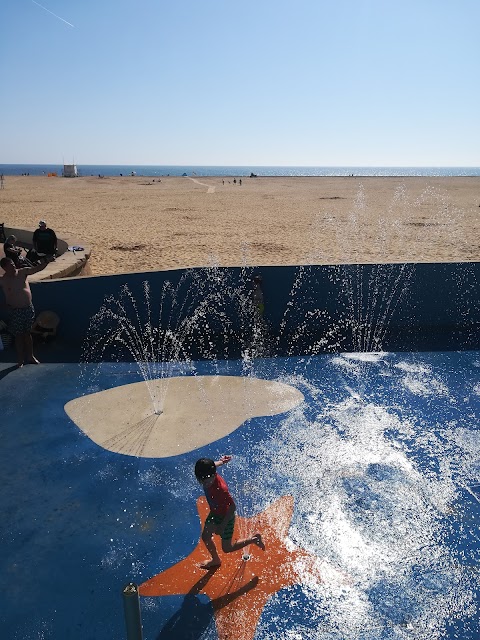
(258,82)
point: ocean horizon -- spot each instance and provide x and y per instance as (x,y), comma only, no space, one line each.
(239,171)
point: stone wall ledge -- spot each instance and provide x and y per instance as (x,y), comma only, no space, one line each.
(67,264)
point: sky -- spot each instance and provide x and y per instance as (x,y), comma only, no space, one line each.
(258,82)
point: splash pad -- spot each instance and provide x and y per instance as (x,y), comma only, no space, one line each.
(380,463)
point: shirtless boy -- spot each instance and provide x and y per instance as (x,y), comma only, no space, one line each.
(18,297)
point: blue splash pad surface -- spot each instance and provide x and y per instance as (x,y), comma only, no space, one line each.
(382,460)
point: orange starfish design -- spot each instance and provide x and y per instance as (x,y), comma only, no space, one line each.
(239,589)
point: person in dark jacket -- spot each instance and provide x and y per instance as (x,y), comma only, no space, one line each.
(44,240)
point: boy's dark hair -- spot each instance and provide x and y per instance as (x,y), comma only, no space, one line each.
(205,468)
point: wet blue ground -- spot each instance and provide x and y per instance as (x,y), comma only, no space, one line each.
(393,443)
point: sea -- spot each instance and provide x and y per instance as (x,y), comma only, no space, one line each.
(238,171)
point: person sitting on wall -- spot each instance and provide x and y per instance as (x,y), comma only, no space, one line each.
(44,242)
(15,253)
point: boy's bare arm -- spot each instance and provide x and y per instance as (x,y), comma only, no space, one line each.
(223,460)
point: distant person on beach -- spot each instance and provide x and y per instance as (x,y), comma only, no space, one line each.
(221,519)
(18,298)
(2,182)
(44,240)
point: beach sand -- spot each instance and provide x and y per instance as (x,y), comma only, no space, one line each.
(140,224)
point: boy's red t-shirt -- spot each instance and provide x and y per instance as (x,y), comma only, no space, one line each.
(218,496)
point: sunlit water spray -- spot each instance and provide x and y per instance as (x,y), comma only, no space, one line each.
(377,494)
(163,328)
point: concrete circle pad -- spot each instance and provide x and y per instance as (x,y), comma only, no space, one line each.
(170,416)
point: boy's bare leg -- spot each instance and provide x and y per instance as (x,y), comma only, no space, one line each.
(207,537)
(228,547)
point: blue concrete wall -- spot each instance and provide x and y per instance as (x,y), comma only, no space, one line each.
(346,307)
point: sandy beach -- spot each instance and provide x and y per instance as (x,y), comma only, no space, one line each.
(140,224)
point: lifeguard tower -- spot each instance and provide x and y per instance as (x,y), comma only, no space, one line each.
(70,171)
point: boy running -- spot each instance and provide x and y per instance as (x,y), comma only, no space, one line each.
(221,519)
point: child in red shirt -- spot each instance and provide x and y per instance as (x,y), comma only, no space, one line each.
(221,519)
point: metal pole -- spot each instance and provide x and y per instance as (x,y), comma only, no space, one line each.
(131,607)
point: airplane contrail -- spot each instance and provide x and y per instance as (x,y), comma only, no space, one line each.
(53,14)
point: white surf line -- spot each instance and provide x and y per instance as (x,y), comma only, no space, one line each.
(210,189)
